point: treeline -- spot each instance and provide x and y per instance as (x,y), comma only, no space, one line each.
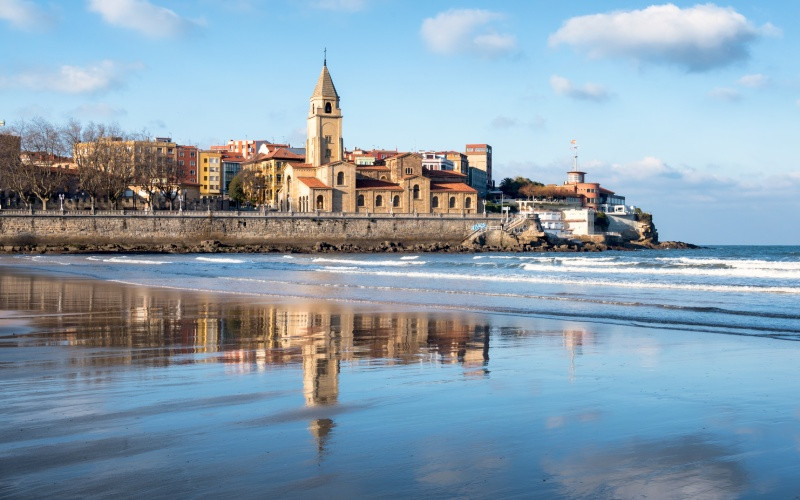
(34,156)
(522,187)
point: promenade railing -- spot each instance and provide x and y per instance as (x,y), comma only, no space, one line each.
(241,213)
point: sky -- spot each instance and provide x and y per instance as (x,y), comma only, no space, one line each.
(690,110)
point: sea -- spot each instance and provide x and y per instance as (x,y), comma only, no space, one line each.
(660,373)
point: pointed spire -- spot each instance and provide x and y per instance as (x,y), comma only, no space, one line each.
(325,86)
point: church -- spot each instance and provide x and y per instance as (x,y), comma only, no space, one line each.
(328,183)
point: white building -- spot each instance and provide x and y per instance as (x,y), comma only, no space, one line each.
(436,161)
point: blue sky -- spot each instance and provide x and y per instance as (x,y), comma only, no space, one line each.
(690,110)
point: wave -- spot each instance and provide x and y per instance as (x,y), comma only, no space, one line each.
(733,263)
(128,260)
(556,280)
(221,260)
(676,271)
(410,257)
(388,263)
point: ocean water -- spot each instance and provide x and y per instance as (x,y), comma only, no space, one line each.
(747,290)
(659,374)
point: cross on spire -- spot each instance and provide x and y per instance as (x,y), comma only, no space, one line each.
(325,57)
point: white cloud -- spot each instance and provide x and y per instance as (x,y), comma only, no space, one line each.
(725,94)
(588,91)
(142,16)
(100,77)
(24,15)
(345,5)
(467,31)
(753,81)
(697,38)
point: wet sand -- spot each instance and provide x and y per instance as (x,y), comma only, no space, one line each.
(118,390)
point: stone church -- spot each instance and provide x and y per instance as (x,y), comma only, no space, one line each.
(327,183)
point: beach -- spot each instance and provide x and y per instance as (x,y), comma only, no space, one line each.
(616,375)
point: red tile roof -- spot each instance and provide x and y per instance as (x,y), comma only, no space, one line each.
(284,154)
(375,184)
(313,182)
(452,187)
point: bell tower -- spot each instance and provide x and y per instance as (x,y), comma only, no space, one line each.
(324,143)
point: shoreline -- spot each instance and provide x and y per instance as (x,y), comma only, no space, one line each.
(383,246)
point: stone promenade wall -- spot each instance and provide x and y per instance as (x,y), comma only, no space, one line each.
(191,228)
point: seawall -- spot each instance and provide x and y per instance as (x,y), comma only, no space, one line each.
(272,230)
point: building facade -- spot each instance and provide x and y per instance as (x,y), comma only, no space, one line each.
(327,183)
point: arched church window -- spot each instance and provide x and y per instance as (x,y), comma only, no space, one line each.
(452,202)
(396,201)
(379,201)
(320,202)
(468,203)
(360,200)
(340,179)
(416,191)
(435,202)
(327,107)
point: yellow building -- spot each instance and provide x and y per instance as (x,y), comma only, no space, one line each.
(269,170)
(210,172)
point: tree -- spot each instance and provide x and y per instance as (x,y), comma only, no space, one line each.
(11,177)
(236,188)
(43,146)
(246,186)
(513,187)
(105,164)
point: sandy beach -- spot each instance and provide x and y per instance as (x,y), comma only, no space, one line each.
(112,389)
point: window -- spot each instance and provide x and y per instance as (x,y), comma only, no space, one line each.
(180,162)
(396,201)
(340,179)
(191,163)
(409,171)
(327,153)
(435,202)
(360,201)
(468,203)
(452,202)
(379,201)
(181,154)
(327,107)
(416,191)
(320,203)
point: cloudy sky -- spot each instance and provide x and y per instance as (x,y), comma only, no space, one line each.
(690,110)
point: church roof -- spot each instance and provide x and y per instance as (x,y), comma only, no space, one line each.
(377,185)
(313,182)
(452,187)
(325,86)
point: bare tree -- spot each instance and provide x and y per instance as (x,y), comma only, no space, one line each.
(11,176)
(104,159)
(43,147)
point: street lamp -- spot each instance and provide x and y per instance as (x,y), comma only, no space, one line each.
(61,198)
(180,203)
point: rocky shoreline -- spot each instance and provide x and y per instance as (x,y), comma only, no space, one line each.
(214,246)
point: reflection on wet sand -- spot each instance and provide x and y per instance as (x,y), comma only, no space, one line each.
(121,325)
(109,389)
